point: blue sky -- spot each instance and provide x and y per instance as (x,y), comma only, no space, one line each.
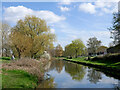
(69,21)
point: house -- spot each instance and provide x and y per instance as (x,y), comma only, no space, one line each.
(102,50)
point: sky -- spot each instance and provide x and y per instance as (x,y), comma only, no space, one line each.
(68,20)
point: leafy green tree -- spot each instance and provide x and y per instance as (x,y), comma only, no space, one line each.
(115,29)
(93,44)
(31,36)
(20,44)
(78,47)
(69,51)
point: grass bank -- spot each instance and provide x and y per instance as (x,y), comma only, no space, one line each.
(5,59)
(109,64)
(23,73)
(18,79)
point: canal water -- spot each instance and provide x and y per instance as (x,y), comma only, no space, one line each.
(64,74)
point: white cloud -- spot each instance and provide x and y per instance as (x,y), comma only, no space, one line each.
(65,2)
(63,9)
(99,4)
(87,7)
(100,7)
(13,14)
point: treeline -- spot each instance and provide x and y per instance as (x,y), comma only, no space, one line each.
(28,38)
(32,36)
(77,49)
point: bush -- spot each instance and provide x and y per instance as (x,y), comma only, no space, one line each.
(5,58)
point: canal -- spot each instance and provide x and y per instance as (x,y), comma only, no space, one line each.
(64,74)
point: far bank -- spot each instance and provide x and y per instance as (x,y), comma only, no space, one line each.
(109,64)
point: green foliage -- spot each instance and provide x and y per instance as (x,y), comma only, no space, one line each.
(5,58)
(76,48)
(30,37)
(109,58)
(93,44)
(111,61)
(69,51)
(18,79)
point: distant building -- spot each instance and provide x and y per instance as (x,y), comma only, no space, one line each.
(102,50)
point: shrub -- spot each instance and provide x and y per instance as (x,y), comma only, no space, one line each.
(5,58)
(114,58)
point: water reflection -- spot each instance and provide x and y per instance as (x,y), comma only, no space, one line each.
(48,83)
(57,65)
(117,86)
(64,74)
(76,71)
(94,76)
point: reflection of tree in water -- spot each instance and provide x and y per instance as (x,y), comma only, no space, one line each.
(94,76)
(49,83)
(58,65)
(76,71)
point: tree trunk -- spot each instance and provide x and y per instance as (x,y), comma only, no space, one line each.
(76,53)
(19,54)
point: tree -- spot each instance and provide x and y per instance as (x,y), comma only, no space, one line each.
(58,50)
(5,39)
(30,37)
(93,44)
(20,44)
(76,48)
(69,51)
(115,29)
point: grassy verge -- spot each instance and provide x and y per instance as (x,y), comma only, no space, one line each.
(96,63)
(106,65)
(22,73)
(18,79)
(5,59)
